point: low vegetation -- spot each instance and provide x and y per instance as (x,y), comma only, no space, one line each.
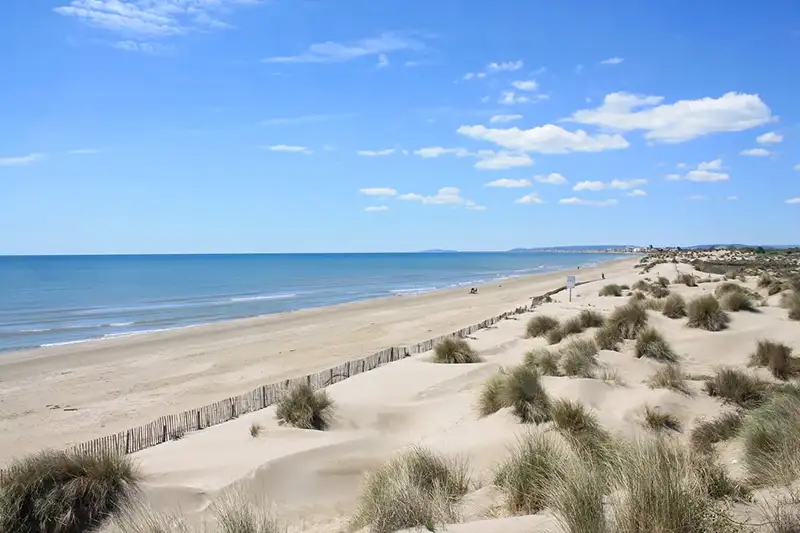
(591,319)
(794,306)
(686,279)
(776,357)
(541,325)
(235,513)
(737,301)
(640,285)
(650,343)
(304,408)
(492,396)
(608,338)
(453,350)
(664,282)
(573,326)
(737,387)
(612,289)
(628,320)
(65,492)
(255,430)
(659,421)
(674,306)
(765,280)
(771,438)
(418,488)
(704,312)
(580,427)
(669,376)
(555,335)
(637,297)
(709,432)
(545,361)
(654,304)
(524,393)
(579,359)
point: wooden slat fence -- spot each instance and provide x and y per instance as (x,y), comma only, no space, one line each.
(175,426)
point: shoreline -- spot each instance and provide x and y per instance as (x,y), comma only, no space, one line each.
(60,396)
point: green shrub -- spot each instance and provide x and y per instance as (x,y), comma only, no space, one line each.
(526,475)
(625,288)
(775,356)
(716,481)
(612,289)
(591,319)
(579,358)
(628,320)
(708,432)
(659,421)
(669,376)
(255,430)
(576,497)
(418,488)
(674,306)
(650,343)
(771,438)
(492,397)
(580,427)
(737,301)
(524,393)
(727,288)
(64,491)
(453,350)
(737,387)
(573,326)
(541,325)
(304,408)
(543,360)
(704,312)
(686,279)
(608,338)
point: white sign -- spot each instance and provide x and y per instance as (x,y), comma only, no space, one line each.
(570,282)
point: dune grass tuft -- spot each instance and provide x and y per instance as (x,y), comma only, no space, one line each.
(640,285)
(709,432)
(765,280)
(580,427)
(774,288)
(304,408)
(612,289)
(737,301)
(541,325)
(576,496)
(418,488)
(579,358)
(591,319)
(573,326)
(727,288)
(544,360)
(771,438)
(794,306)
(669,376)
(524,393)
(654,304)
(704,312)
(628,320)
(555,335)
(255,430)
(65,491)
(453,350)
(658,420)
(658,291)
(608,338)
(492,398)
(664,282)
(674,306)
(737,387)
(775,356)
(525,476)
(637,297)
(716,481)
(235,513)
(650,343)
(686,279)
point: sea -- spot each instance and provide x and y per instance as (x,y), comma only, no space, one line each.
(55,300)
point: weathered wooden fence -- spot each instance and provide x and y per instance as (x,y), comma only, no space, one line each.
(175,426)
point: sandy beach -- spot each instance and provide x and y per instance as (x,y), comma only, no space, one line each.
(59,396)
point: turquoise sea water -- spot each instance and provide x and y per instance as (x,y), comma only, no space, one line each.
(65,299)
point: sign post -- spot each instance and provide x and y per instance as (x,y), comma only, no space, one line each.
(570,285)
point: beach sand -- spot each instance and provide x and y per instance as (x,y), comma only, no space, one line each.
(59,396)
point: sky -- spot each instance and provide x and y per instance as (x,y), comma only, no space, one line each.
(202,126)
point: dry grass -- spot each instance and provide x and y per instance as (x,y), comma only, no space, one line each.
(576,495)
(709,432)
(771,438)
(628,320)
(654,304)
(775,356)
(612,289)
(491,398)
(659,421)
(650,343)
(664,282)
(640,285)
(637,297)
(669,376)
(793,303)
(658,291)
(738,301)
(64,492)
(737,387)
(524,393)
(580,427)
(235,513)
(591,319)
(525,477)
(765,280)
(255,430)
(608,338)
(140,518)
(579,358)
(455,351)
(418,488)
(304,408)
(555,335)
(541,325)
(674,306)
(704,312)
(716,481)
(727,288)
(545,361)
(573,326)
(686,279)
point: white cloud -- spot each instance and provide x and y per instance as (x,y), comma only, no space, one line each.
(703,172)
(374,208)
(612,61)
(797,167)
(731,198)
(511,98)
(756,152)
(529,199)
(444,196)
(288,148)
(678,122)
(149,48)
(681,165)
(614,184)
(637,192)
(547,139)
(594,203)
(438,151)
(793,201)
(529,85)
(627,184)
(589,186)
(378,191)
(333,52)
(84,151)
(716,164)
(502,160)
(769,138)
(696,197)
(383,61)
(411,196)
(506,66)
(20,160)
(553,178)
(155,18)
(376,153)
(496,119)
(509,183)
(474,75)
(469,204)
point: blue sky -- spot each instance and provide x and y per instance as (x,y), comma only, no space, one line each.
(171,126)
